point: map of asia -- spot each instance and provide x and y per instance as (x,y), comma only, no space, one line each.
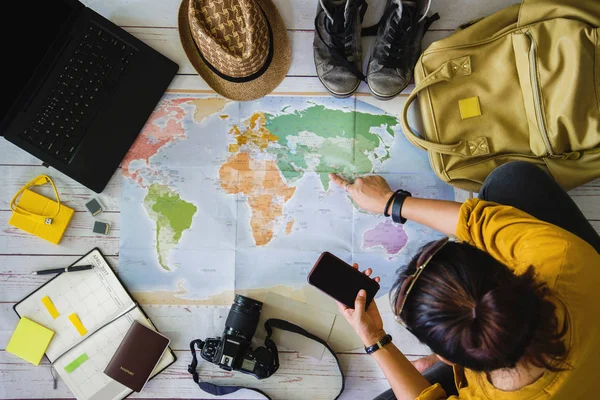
(223,196)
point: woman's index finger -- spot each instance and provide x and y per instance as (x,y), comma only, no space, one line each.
(339,181)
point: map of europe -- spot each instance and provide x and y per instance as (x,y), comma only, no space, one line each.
(223,196)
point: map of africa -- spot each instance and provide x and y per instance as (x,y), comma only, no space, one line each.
(223,196)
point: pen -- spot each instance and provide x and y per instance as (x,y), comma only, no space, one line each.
(67,269)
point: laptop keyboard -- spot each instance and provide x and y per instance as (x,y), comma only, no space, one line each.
(95,67)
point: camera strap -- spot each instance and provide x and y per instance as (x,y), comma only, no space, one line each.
(218,390)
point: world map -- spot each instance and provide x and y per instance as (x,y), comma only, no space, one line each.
(221,197)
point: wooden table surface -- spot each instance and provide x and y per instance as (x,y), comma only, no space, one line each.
(300,377)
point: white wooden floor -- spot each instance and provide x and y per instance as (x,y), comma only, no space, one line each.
(155,22)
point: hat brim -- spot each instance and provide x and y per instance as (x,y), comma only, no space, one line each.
(251,90)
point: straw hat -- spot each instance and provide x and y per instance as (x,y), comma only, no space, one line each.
(239,47)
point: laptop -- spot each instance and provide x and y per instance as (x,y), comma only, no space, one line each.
(76,88)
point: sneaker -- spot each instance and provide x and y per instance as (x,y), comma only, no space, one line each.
(337,49)
(397,47)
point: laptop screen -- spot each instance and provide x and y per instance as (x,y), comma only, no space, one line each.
(25,43)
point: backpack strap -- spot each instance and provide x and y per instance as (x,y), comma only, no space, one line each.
(218,390)
(465,148)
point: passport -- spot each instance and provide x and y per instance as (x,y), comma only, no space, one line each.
(137,356)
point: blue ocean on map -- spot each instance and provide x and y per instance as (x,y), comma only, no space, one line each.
(222,196)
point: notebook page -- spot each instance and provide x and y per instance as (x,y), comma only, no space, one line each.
(88,381)
(96,296)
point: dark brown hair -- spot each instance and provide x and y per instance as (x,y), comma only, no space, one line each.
(474,311)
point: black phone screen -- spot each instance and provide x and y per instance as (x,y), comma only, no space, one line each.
(340,281)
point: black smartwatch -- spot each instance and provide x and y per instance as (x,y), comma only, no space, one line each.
(397,206)
(387,339)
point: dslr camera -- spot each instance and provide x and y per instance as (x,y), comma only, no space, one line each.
(233,351)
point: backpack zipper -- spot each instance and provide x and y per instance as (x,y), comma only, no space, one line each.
(537,102)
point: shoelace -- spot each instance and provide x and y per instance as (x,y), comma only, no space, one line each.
(341,34)
(397,39)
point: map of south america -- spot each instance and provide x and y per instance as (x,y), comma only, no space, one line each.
(172,217)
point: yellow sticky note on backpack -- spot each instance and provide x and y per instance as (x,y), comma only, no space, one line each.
(469,108)
(30,341)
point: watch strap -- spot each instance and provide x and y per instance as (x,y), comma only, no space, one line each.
(387,205)
(397,206)
(387,339)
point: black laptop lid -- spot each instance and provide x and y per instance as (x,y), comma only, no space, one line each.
(33,33)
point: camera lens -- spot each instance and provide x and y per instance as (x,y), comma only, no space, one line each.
(243,317)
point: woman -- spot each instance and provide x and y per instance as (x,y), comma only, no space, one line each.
(511,309)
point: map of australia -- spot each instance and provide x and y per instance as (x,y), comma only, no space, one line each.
(240,193)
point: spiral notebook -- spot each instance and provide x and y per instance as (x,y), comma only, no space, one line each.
(90,312)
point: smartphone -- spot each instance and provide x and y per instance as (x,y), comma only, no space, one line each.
(339,280)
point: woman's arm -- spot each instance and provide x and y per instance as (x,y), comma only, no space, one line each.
(441,215)
(405,380)
(372,193)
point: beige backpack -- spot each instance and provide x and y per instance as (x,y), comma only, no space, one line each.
(521,84)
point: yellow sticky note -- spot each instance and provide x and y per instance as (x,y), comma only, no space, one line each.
(77,324)
(469,108)
(30,341)
(50,307)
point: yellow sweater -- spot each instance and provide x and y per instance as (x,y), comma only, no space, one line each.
(569,266)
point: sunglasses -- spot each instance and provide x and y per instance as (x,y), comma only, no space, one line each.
(426,255)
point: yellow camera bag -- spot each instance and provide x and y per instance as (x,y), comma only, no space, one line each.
(39,215)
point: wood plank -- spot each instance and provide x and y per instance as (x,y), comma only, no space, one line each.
(297,14)
(72,193)
(298,374)
(587,198)
(180,323)
(302,79)
(294,86)
(306,86)
(13,155)
(298,378)
(16,277)
(12,178)
(166,41)
(8,322)
(183,324)
(78,239)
